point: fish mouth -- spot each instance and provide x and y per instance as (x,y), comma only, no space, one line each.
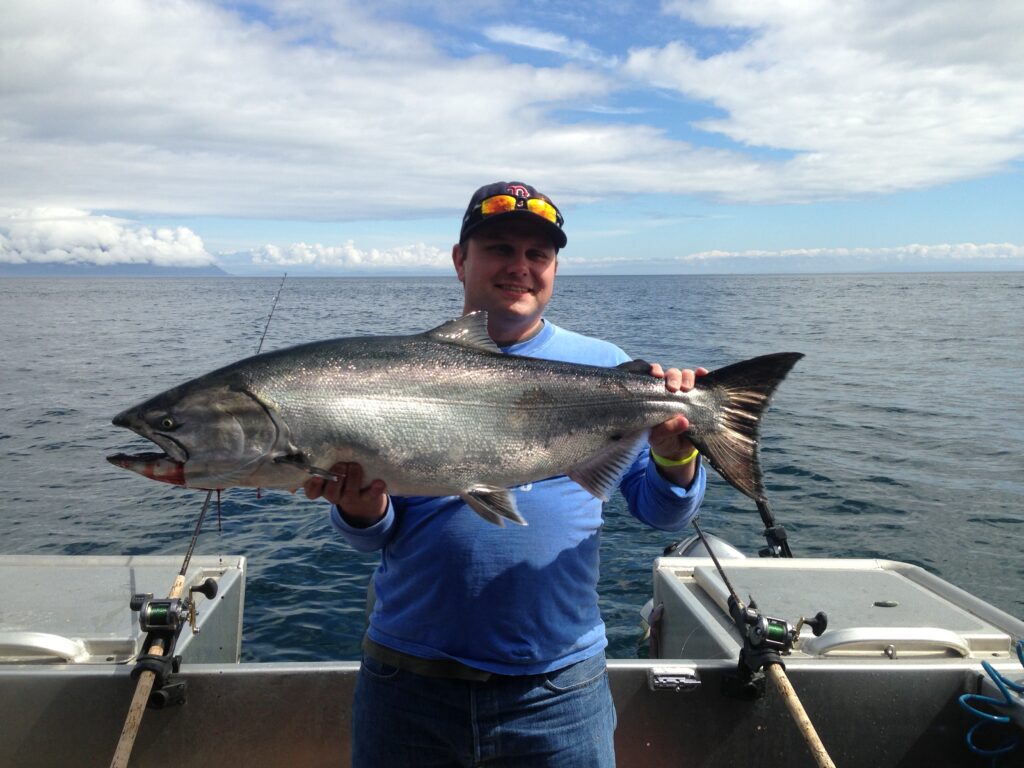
(151,464)
(127,460)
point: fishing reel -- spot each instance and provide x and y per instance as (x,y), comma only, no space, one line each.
(776,635)
(169,614)
(162,619)
(765,641)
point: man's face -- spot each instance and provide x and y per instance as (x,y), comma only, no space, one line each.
(508,269)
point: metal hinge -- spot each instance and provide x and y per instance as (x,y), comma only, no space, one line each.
(679,679)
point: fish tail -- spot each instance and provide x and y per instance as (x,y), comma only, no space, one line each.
(742,391)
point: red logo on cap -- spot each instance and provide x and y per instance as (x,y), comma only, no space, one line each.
(518,190)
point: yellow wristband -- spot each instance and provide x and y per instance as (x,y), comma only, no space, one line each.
(661,461)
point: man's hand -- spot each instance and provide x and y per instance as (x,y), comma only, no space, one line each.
(361,507)
(669,439)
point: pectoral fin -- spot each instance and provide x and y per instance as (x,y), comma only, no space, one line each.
(296,460)
(495,505)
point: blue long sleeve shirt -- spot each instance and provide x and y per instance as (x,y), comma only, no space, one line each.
(513,600)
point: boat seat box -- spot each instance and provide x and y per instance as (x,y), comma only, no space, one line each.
(877,609)
(74,610)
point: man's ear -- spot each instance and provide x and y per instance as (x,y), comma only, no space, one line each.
(459,260)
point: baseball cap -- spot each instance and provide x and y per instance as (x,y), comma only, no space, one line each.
(504,199)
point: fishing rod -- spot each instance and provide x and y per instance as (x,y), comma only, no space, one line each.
(778,542)
(765,641)
(272,308)
(163,621)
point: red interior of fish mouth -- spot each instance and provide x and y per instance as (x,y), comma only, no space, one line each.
(135,458)
(152,464)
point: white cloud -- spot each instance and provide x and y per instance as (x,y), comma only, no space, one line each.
(69,236)
(871,96)
(529,37)
(905,258)
(333,110)
(914,257)
(185,108)
(348,256)
(952,251)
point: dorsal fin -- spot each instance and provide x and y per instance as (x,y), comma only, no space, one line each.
(635,366)
(468,331)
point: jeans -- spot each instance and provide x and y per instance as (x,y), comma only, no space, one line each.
(563,718)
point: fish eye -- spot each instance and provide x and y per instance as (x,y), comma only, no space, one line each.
(168,423)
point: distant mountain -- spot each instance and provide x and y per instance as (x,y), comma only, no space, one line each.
(53,269)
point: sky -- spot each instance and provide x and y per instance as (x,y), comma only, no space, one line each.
(332,137)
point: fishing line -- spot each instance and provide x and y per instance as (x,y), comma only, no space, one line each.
(273,306)
(195,533)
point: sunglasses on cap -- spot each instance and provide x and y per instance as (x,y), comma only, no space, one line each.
(507,203)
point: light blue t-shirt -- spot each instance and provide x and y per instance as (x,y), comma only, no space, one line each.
(513,600)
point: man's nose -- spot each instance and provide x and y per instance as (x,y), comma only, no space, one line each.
(518,262)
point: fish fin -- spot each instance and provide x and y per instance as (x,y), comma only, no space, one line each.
(468,331)
(601,472)
(298,461)
(743,390)
(495,505)
(635,366)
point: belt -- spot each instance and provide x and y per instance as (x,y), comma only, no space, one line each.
(447,668)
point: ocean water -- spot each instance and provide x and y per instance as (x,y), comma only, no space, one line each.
(900,435)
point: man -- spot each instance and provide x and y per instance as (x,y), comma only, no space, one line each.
(486,644)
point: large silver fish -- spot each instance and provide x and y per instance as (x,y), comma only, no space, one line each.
(441,413)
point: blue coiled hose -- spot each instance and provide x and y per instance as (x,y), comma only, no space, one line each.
(969,700)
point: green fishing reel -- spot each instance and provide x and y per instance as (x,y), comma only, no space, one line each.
(765,641)
(169,615)
(777,634)
(162,619)
(765,633)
